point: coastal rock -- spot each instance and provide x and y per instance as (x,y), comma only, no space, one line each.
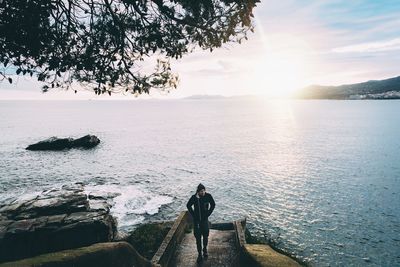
(87,141)
(55,143)
(116,254)
(52,221)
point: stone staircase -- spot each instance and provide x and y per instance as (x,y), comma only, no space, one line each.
(226,247)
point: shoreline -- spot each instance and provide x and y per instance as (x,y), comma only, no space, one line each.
(60,223)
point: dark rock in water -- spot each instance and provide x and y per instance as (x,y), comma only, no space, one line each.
(87,141)
(53,221)
(55,143)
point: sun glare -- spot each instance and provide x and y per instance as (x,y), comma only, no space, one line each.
(283,64)
(279,75)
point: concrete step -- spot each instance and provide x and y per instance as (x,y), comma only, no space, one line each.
(221,249)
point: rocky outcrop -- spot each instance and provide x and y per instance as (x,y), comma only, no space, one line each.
(54,143)
(116,254)
(54,220)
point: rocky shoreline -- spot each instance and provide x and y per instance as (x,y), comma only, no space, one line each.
(55,220)
(67,227)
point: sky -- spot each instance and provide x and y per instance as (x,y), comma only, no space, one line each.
(295,44)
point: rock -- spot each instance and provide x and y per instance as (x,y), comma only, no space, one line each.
(87,141)
(52,221)
(55,143)
(116,254)
(48,203)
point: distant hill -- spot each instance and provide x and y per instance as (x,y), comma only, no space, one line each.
(204,97)
(381,89)
(211,97)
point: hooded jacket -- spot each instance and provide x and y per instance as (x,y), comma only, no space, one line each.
(203,207)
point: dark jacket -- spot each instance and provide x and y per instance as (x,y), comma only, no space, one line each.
(203,207)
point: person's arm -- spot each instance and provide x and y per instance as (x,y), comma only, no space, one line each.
(212,205)
(189,206)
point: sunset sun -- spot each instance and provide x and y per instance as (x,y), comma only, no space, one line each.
(279,75)
(199,133)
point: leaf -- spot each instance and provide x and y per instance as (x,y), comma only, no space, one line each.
(105,46)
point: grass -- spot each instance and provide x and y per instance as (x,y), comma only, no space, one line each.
(148,237)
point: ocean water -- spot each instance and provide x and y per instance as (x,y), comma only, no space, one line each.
(319,178)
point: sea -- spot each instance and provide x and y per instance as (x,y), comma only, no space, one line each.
(319,179)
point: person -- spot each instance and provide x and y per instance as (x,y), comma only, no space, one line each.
(204,205)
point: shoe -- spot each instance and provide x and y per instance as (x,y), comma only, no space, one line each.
(199,258)
(205,253)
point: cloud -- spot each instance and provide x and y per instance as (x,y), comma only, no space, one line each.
(370,47)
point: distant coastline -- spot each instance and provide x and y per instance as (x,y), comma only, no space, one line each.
(371,90)
(387,89)
(216,97)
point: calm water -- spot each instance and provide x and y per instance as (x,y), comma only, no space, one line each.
(321,178)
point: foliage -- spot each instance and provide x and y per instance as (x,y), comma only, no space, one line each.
(102,44)
(148,237)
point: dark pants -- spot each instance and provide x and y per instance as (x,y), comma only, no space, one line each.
(201,229)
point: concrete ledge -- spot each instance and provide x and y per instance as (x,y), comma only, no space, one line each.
(171,241)
(259,255)
(116,254)
(222,226)
(240,227)
(264,256)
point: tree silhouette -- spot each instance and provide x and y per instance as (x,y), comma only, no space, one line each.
(102,44)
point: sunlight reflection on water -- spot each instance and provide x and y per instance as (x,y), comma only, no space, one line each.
(321,178)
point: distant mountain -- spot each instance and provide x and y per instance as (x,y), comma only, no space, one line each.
(381,89)
(204,97)
(234,97)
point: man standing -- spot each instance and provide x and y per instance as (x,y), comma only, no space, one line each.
(203,207)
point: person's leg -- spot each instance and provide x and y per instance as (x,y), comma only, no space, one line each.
(197,235)
(205,232)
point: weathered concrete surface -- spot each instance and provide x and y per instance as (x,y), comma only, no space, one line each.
(265,256)
(116,254)
(222,251)
(54,220)
(173,239)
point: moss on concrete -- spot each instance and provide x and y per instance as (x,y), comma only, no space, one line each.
(252,239)
(264,256)
(142,245)
(118,254)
